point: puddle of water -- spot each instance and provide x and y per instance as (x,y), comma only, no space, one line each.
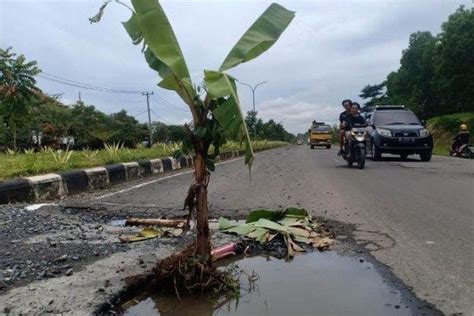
(312,284)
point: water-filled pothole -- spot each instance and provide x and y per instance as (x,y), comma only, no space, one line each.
(312,284)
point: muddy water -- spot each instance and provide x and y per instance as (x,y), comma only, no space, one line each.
(312,284)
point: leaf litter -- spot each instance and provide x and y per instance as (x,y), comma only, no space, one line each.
(294,225)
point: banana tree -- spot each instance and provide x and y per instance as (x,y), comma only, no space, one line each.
(214,105)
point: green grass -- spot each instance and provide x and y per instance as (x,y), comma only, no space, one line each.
(28,164)
(443,128)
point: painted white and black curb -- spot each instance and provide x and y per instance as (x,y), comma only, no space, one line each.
(53,186)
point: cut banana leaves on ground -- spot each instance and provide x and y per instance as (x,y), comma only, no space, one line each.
(151,232)
(294,224)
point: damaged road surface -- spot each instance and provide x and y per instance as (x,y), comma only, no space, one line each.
(410,223)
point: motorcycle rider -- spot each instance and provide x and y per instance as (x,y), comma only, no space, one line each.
(461,138)
(352,119)
(342,118)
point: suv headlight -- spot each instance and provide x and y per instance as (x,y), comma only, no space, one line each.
(424,132)
(384,132)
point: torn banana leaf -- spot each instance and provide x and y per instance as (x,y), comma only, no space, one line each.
(295,231)
(296,212)
(242,230)
(323,243)
(229,113)
(255,215)
(259,234)
(265,223)
(224,223)
(146,233)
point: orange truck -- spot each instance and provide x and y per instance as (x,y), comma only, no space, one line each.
(320,135)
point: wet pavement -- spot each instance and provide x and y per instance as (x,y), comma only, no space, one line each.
(313,284)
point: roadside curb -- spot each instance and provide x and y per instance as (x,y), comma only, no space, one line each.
(58,185)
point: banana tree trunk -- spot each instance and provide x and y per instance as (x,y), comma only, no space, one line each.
(203,245)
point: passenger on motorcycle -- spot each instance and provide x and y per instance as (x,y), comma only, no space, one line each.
(461,138)
(352,119)
(342,118)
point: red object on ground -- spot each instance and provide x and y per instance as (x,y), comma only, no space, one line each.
(223,251)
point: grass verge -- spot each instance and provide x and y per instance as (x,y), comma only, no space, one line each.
(34,163)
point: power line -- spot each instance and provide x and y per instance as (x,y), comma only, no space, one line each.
(168,104)
(139,113)
(78,84)
(159,117)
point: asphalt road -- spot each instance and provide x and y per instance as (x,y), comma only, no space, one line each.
(415,217)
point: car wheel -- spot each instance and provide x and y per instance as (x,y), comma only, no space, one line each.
(312,147)
(375,152)
(328,146)
(426,156)
(403,156)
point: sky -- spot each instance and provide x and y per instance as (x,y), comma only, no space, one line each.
(330,51)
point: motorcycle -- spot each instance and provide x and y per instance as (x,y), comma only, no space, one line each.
(354,148)
(462,151)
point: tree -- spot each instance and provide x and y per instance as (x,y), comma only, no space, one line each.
(128,131)
(454,62)
(215,106)
(18,91)
(251,121)
(375,94)
(412,83)
(436,74)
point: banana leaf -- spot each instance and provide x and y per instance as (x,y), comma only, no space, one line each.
(229,114)
(255,215)
(224,223)
(145,234)
(259,234)
(265,223)
(296,212)
(263,33)
(242,230)
(149,24)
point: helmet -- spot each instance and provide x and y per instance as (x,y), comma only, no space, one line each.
(463,127)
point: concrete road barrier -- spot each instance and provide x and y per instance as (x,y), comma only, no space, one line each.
(98,178)
(55,186)
(133,170)
(47,186)
(157,166)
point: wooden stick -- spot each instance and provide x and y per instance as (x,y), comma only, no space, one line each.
(132,221)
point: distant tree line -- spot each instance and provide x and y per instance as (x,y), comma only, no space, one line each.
(436,74)
(29,118)
(270,130)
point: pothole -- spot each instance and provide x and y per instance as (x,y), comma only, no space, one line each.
(316,283)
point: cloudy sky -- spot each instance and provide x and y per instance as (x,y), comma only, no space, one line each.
(329,52)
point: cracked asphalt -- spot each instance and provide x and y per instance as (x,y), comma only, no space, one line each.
(415,218)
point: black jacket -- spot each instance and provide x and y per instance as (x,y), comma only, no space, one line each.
(462,138)
(352,120)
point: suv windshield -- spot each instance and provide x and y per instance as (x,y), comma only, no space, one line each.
(321,129)
(395,118)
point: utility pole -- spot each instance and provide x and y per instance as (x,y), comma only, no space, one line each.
(80,100)
(253,90)
(150,139)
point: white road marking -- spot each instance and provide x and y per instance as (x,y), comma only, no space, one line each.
(160,179)
(429,242)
